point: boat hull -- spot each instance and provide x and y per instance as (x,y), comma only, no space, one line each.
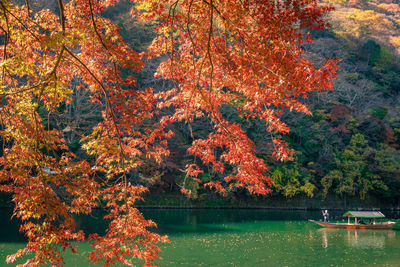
(384,225)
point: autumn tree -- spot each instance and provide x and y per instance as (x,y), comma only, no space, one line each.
(244,54)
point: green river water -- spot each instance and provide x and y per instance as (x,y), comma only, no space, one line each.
(242,238)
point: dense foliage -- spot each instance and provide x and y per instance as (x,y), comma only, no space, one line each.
(76,127)
(350,146)
(356,124)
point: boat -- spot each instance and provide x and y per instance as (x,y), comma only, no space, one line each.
(358,222)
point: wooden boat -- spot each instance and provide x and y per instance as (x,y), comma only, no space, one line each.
(358,221)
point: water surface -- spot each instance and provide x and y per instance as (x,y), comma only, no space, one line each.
(244,238)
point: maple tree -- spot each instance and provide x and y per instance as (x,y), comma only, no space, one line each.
(244,54)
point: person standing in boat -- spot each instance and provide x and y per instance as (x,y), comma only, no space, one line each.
(326,215)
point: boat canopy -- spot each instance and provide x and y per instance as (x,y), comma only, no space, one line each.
(364,214)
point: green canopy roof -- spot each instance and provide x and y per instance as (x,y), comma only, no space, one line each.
(364,214)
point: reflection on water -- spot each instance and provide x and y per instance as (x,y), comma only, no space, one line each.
(324,238)
(366,239)
(242,238)
(358,238)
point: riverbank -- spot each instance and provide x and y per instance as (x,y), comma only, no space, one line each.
(269,202)
(214,201)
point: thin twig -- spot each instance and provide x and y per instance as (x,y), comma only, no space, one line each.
(6,37)
(95,26)
(27,7)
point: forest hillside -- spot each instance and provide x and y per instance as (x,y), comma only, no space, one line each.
(348,147)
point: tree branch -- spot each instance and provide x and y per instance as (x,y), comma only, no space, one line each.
(62,15)
(114,118)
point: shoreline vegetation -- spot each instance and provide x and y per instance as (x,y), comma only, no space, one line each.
(214,201)
(273,202)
